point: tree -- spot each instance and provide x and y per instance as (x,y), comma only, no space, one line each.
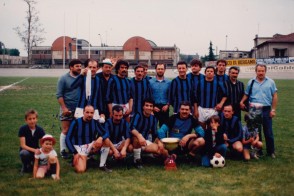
(32,32)
(14,52)
(211,56)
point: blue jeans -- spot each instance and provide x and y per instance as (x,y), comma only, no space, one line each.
(221,149)
(268,130)
(27,158)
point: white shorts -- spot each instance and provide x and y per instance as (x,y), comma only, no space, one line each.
(148,143)
(124,106)
(206,113)
(84,149)
(118,144)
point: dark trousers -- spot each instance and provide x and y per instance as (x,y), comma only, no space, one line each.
(161,116)
(268,130)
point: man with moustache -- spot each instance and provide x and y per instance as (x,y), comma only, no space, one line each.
(68,100)
(140,89)
(160,90)
(180,88)
(119,90)
(235,90)
(95,98)
(264,91)
(84,136)
(104,76)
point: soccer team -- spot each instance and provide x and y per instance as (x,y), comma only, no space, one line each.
(112,115)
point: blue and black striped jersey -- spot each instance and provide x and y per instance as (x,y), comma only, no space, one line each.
(140,90)
(117,132)
(144,125)
(118,90)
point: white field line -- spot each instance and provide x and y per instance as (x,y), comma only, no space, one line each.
(7,87)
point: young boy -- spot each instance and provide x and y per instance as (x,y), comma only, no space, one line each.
(250,137)
(29,136)
(214,141)
(46,161)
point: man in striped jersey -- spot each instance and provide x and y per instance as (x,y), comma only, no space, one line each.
(118,130)
(95,99)
(142,126)
(235,90)
(232,127)
(207,94)
(119,90)
(180,88)
(195,76)
(104,76)
(221,71)
(140,89)
(86,135)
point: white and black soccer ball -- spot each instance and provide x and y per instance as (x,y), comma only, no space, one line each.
(217,161)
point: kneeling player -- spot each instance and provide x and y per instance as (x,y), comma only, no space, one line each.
(142,125)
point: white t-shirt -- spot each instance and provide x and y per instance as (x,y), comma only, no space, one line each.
(43,158)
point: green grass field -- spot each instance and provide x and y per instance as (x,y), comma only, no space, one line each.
(258,177)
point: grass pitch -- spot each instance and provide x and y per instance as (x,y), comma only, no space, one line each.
(265,176)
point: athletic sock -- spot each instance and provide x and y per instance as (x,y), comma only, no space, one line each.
(104,154)
(137,154)
(62,142)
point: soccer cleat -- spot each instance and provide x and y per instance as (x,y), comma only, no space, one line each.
(273,155)
(105,169)
(64,154)
(138,164)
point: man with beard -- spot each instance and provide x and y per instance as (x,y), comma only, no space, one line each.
(235,90)
(104,76)
(68,100)
(95,98)
(119,90)
(140,89)
(160,89)
(84,136)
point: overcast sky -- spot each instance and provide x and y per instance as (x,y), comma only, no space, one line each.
(189,24)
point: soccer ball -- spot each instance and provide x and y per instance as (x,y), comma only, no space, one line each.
(217,162)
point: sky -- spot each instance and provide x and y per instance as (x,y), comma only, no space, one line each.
(188,24)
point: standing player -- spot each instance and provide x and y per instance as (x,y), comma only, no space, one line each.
(140,89)
(119,90)
(195,76)
(235,90)
(221,75)
(68,100)
(207,94)
(104,76)
(160,90)
(95,98)
(181,87)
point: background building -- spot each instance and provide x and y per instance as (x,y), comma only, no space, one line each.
(135,49)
